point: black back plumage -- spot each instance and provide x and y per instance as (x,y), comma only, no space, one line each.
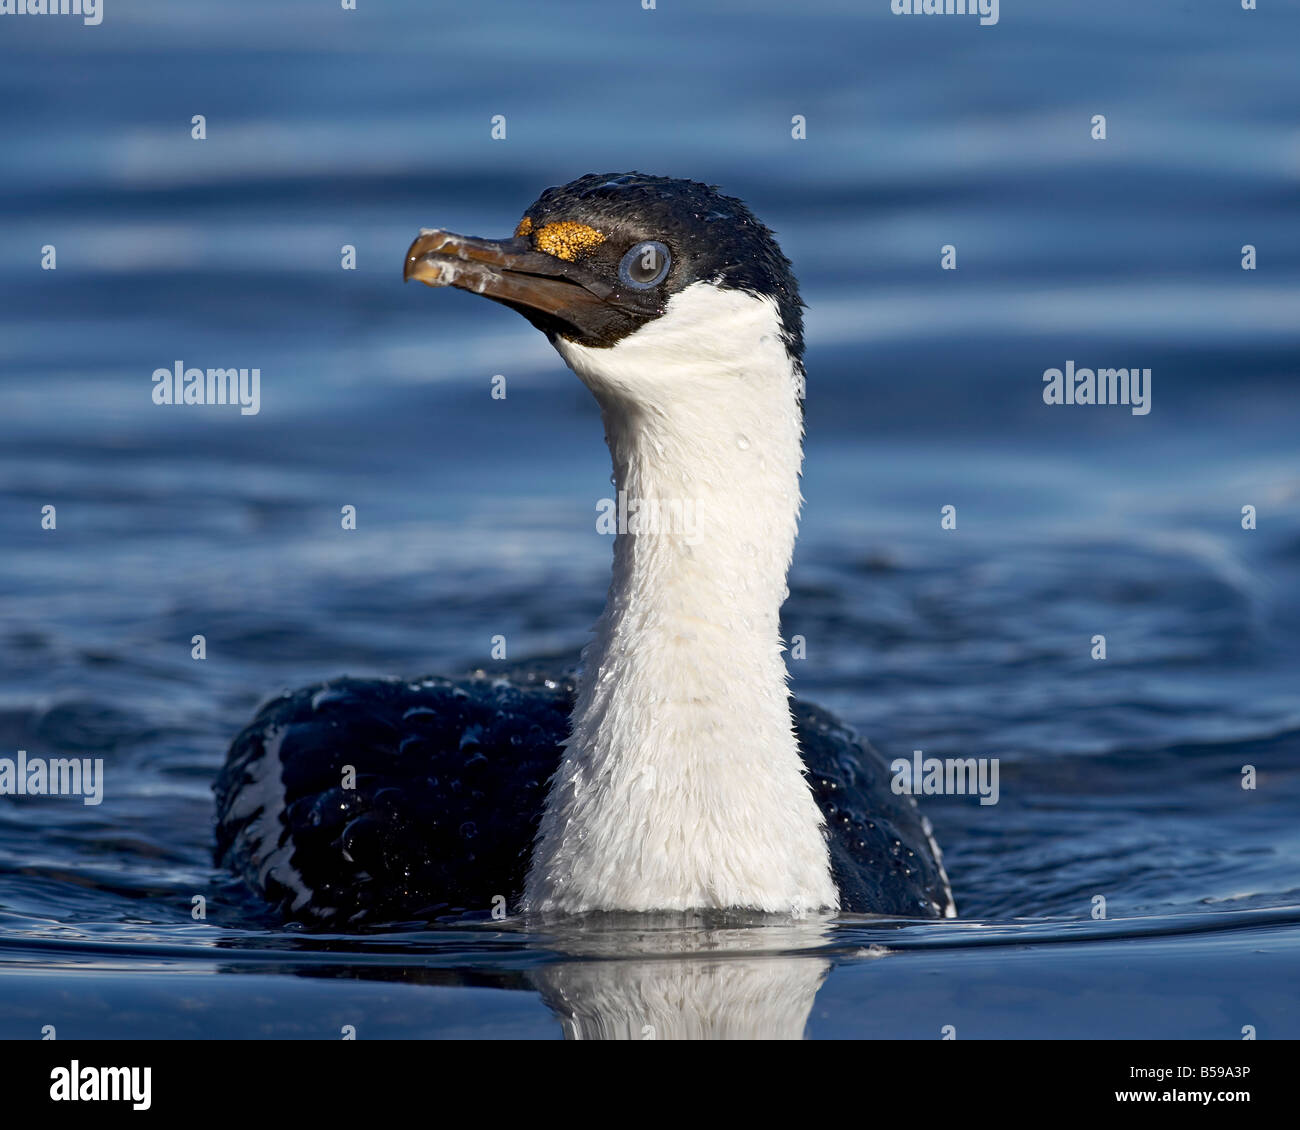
(450,780)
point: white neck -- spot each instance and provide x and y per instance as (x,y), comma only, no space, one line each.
(681,785)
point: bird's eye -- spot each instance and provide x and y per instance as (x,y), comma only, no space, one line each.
(645,265)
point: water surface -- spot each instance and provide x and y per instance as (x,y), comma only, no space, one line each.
(1120,779)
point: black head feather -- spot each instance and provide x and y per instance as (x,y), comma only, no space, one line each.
(713,238)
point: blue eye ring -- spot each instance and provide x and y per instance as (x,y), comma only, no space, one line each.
(645,265)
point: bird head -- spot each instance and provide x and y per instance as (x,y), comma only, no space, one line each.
(597,260)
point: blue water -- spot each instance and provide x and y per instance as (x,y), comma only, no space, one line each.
(1120,779)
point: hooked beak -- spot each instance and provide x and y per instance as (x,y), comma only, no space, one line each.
(543,288)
